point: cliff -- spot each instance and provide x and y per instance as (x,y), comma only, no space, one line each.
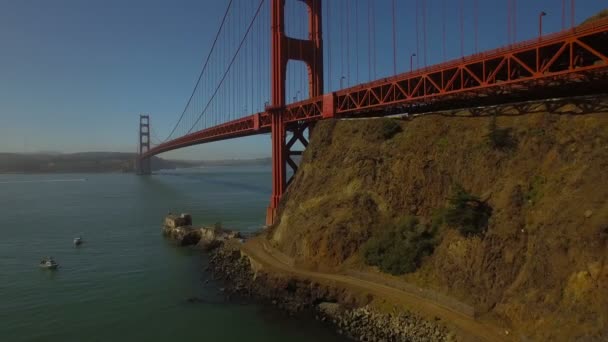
(537,266)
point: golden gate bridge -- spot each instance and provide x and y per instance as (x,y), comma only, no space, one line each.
(269,71)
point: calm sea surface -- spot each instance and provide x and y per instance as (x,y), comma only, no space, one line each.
(127,283)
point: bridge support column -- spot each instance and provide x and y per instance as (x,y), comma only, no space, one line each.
(278,162)
(285,48)
(143,164)
(297,135)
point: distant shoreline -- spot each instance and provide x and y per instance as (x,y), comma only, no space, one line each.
(101,162)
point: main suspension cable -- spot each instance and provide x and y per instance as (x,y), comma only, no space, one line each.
(257,12)
(219,31)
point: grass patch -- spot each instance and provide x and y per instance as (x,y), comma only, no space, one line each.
(400,248)
(467,213)
(442,143)
(534,193)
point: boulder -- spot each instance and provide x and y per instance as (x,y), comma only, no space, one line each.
(175,221)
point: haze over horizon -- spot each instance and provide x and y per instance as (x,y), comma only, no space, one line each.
(76,75)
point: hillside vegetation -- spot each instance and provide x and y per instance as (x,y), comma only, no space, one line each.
(518,230)
(600,15)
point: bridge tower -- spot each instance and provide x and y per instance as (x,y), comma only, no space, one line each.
(143,164)
(284,49)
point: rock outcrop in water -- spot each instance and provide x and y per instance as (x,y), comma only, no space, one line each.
(180,229)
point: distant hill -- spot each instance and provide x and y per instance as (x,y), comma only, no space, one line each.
(91,162)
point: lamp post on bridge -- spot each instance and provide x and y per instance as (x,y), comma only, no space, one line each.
(412,61)
(540,23)
(341,82)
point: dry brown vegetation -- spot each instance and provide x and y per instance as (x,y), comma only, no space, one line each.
(601,14)
(539,268)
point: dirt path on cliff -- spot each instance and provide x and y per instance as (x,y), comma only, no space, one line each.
(466,327)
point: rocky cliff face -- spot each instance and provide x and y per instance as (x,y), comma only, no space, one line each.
(540,268)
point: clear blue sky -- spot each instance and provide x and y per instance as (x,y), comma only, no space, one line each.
(75,74)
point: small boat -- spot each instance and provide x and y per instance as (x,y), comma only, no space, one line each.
(49,263)
(78,241)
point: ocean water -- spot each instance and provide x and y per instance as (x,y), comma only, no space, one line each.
(127,283)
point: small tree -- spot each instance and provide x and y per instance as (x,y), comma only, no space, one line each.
(400,248)
(467,213)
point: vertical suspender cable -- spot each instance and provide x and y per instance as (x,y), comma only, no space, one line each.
(509,22)
(462,28)
(301,70)
(394,42)
(417,35)
(357,40)
(369,40)
(476,22)
(374,41)
(514,21)
(572,13)
(348,42)
(329,44)
(443,17)
(424,31)
(563,14)
(342,62)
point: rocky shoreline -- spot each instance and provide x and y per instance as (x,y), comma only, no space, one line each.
(351,314)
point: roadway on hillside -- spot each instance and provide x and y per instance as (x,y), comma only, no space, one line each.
(466,327)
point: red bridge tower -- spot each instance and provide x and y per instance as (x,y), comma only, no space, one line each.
(285,49)
(143,164)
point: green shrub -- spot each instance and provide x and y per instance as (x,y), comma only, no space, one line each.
(438,219)
(400,248)
(390,128)
(467,213)
(500,138)
(534,193)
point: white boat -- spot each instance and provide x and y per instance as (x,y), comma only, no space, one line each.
(49,263)
(78,241)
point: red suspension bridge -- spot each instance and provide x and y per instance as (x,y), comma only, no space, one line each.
(238,93)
